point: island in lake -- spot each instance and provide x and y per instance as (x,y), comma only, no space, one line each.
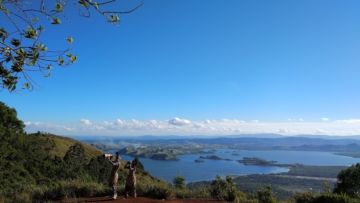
(214,157)
(262,162)
(165,153)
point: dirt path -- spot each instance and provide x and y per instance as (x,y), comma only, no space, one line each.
(137,200)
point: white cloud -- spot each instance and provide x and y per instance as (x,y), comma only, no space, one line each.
(85,121)
(325,119)
(27,123)
(179,122)
(350,121)
(119,122)
(181,126)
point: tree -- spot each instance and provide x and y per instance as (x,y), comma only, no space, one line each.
(179,182)
(9,121)
(76,160)
(265,195)
(349,181)
(22,51)
(224,189)
(99,168)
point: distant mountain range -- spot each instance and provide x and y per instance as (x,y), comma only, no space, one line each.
(266,139)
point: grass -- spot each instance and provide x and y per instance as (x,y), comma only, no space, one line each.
(62,145)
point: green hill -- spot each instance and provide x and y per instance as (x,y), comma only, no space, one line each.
(62,144)
(40,167)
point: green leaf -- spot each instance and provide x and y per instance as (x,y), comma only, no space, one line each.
(70,40)
(26,85)
(114,19)
(56,21)
(60,60)
(30,33)
(41,47)
(15,42)
(84,3)
(59,7)
(73,59)
(3,34)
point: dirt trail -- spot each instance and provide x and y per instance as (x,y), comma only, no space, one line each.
(137,200)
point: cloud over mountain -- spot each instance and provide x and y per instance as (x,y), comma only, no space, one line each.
(182,126)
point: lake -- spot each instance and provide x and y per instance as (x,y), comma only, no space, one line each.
(192,171)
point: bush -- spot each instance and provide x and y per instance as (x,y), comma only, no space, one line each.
(179,182)
(201,192)
(335,198)
(183,193)
(69,189)
(223,189)
(349,181)
(265,195)
(305,197)
(154,189)
(326,197)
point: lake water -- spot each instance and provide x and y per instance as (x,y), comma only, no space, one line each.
(192,171)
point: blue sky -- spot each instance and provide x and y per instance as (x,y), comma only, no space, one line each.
(275,62)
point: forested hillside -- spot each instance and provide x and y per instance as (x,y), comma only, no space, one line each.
(40,166)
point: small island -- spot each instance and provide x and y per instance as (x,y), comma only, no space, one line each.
(256,161)
(213,157)
(151,153)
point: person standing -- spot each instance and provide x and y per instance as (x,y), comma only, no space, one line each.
(113,180)
(130,185)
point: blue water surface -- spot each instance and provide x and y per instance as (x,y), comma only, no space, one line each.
(209,169)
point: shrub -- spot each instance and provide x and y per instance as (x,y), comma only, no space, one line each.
(265,195)
(201,192)
(305,197)
(334,198)
(182,193)
(325,197)
(154,189)
(179,182)
(223,189)
(69,189)
(349,181)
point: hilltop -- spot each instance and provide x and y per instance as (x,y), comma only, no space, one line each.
(61,144)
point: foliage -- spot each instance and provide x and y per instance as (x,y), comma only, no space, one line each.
(26,161)
(324,197)
(283,187)
(154,189)
(265,195)
(69,189)
(304,197)
(223,189)
(100,169)
(179,182)
(62,144)
(22,49)
(76,160)
(349,181)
